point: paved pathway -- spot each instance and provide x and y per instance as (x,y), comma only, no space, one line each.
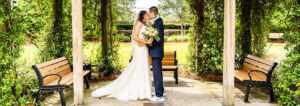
(187,93)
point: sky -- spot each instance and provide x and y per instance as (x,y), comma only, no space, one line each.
(144,4)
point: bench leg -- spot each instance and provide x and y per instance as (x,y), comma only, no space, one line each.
(247,93)
(86,79)
(176,76)
(271,93)
(38,97)
(62,97)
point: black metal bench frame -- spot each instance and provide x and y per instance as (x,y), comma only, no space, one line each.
(59,87)
(261,84)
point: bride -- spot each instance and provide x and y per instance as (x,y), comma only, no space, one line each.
(134,83)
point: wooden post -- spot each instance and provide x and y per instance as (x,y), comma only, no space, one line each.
(77,51)
(228,53)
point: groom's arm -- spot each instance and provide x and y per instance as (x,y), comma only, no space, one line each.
(160,27)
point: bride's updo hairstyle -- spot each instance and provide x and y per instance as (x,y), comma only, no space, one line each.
(141,16)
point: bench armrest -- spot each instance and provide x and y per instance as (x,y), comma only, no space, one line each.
(256,71)
(239,62)
(60,77)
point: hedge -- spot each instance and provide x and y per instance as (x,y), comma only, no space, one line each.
(166,26)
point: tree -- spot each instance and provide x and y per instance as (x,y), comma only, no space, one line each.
(104,27)
(197,7)
(177,7)
(58,39)
(245,32)
(255,17)
(124,11)
(106,58)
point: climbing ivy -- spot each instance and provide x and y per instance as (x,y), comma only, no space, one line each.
(254,17)
(57,41)
(205,52)
(15,87)
(108,59)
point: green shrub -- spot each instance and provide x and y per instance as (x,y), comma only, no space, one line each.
(124,38)
(15,84)
(176,38)
(173,38)
(287,82)
(166,26)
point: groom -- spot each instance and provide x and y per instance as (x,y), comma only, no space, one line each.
(156,51)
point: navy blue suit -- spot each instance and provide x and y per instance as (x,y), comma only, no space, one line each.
(156,51)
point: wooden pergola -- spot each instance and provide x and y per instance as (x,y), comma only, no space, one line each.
(228,54)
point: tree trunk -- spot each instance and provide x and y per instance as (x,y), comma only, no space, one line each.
(198,6)
(245,27)
(181,25)
(104,27)
(57,26)
(58,17)
(111,27)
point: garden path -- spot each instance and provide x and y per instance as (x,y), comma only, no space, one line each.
(187,93)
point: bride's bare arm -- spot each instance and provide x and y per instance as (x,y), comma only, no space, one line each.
(137,29)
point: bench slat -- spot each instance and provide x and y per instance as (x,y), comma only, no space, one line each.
(51,78)
(67,79)
(53,66)
(167,67)
(165,63)
(165,59)
(258,64)
(257,74)
(252,67)
(57,70)
(169,53)
(243,75)
(51,62)
(259,59)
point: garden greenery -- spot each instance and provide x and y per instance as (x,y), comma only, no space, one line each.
(253,26)
(287,82)
(15,86)
(206,37)
(47,25)
(57,41)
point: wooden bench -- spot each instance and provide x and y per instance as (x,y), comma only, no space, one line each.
(256,72)
(55,75)
(169,63)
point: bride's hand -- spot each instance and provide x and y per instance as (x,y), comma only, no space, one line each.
(149,41)
(141,44)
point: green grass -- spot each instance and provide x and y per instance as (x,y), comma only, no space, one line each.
(275,52)
(90,51)
(180,48)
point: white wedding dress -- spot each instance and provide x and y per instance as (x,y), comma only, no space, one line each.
(134,83)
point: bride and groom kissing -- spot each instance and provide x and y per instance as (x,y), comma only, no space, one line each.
(135,83)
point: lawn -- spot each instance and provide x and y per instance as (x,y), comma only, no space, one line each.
(125,48)
(274,53)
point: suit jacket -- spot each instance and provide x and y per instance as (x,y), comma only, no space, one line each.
(157,48)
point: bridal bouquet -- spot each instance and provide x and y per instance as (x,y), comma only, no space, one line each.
(151,33)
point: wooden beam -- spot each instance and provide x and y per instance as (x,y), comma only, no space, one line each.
(228,53)
(77,51)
